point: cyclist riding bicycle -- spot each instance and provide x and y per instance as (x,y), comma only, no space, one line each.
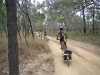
(45,32)
(63,36)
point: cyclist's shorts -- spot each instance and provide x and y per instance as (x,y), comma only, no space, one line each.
(61,40)
(44,34)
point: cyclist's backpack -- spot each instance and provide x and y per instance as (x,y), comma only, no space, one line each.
(62,34)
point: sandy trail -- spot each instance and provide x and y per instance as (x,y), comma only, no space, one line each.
(85,58)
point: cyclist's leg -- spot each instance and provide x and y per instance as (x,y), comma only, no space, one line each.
(65,45)
(44,36)
(61,43)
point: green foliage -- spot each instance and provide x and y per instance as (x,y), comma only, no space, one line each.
(40,16)
(52,33)
(34,9)
(88,37)
(1,1)
(98,15)
(22,21)
(49,19)
(40,5)
(99,37)
(2,10)
(2,15)
(1,28)
(39,27)
(80,36)
(59,20)
(78,20)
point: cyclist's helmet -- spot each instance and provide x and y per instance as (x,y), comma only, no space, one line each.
(61,27)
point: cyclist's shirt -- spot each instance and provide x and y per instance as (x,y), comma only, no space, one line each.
(45,32)
(62,36)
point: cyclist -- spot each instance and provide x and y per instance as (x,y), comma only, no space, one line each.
(45,32)
(63,36)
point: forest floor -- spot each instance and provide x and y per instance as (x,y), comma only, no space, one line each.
(36,60)
(42,65)
(85,60)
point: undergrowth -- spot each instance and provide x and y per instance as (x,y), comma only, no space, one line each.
(80,36)
(36,46)
(85,37)
(3,52)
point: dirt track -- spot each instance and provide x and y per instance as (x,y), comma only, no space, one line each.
(85,58)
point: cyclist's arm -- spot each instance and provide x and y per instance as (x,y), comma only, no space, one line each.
(58,36)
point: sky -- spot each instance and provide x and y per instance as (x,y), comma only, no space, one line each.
(37,1)
(40,1)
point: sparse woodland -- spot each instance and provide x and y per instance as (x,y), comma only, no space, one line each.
(20,19)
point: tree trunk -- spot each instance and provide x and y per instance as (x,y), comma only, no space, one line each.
(28,29)
(84,23)
(67,25)
(93,22)
(12,37)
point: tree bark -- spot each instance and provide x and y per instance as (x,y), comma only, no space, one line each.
(12,37)
(93,21)
(84,22)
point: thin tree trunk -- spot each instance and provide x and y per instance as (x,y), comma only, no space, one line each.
(24,35)
(28,29)
(18,32)
(84,23)
(93,22)
(12,37)
(28,20)
(25,20)
(67,25)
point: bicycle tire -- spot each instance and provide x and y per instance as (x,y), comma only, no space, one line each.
(63,46)
(64,57)
(68,62)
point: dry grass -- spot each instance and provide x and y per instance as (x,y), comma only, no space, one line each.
(36,46)
(3,52)
(50,59)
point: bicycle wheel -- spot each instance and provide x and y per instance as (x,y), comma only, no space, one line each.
(68,62)
(63,46)
(65,57)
